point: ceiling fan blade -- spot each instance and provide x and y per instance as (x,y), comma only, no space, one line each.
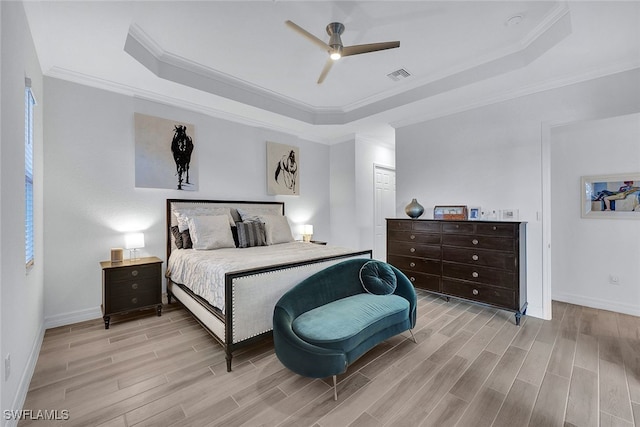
(366,48)
(308,35)
(325,70)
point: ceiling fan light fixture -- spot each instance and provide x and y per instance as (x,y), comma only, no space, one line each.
(335,52)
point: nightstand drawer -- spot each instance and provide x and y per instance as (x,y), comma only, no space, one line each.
(133,301)
(137,272)
(132,287)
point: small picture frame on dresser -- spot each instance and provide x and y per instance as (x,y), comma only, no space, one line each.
(475,213)
(509,214)
(450,212)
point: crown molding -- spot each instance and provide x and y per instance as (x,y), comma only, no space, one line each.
(137,93)
(556,83)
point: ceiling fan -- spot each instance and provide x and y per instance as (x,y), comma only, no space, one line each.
(335,48)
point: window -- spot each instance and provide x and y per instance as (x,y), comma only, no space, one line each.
(29,102)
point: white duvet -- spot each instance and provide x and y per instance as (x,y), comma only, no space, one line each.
(203,271)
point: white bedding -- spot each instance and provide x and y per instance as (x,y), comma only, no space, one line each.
(203,271)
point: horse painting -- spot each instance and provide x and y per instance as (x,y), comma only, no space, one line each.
(287,170)
(181,147)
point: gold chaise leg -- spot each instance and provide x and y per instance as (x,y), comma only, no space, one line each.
(413,336)
(335,388)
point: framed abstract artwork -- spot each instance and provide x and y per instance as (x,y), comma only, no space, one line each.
(610,196)
(283,169)
(165,155)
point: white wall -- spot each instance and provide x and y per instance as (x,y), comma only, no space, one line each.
(21,291)
(592,249)
(90,197)
(352,191)
(491,156)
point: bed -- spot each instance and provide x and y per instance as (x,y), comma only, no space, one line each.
(231,291)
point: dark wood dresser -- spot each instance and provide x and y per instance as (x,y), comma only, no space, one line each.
(131,285)
(480,261)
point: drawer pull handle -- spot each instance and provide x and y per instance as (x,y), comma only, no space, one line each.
(457,226)
(474,257)
(413,279)
(475,292)
(413,237)
(475,241)
(412,264)
(134,300)
(475,274)
(495,228)
(412,250)
(134,286)
(134,273)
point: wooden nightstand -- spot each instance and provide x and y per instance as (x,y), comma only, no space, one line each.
(131,285)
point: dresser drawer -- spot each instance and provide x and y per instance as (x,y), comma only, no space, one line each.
(463,228)
(412,236)
(136,272)
(477,241)
(133,301)
(493,229)
(132,287)
(489,276)
(430,282)
(480,257)
(426,226)
(414,250)
(482,293)
(420,265)
(399,225)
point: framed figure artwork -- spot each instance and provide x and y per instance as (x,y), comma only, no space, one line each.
(610,196)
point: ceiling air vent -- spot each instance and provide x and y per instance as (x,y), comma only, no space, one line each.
(398,75)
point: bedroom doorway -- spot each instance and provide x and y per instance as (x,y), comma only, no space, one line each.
(384,199)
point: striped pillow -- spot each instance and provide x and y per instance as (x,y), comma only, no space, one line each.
(251,234)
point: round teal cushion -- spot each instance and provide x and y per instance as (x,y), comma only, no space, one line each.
(378,278)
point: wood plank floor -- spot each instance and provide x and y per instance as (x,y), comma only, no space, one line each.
(471,367)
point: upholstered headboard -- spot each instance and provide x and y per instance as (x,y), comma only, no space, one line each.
(273,208)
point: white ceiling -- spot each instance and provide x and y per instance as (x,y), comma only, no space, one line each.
(239,61)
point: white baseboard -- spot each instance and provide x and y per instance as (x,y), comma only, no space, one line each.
(535,311)
(72,317)
(601,304)
(25,378)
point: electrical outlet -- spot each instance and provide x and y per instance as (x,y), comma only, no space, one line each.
(614,280)
(7,367)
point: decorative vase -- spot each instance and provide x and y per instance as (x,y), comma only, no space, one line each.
(414,209)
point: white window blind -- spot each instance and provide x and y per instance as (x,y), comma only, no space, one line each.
(29,102)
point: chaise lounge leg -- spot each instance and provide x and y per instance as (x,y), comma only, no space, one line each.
(335,388)
(413,337)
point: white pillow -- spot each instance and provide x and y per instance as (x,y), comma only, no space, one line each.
(277,229)
(183,214)
(253,213)
(210,232)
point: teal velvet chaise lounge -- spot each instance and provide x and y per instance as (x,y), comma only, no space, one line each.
(326,322)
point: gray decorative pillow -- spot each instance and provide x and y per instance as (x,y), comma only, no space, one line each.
(378,278)
(177,236)
(211,232)
(251,234)
(277,229)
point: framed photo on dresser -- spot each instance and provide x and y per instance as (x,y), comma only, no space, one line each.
(450,212)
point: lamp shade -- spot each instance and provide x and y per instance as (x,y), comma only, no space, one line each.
(134,240)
